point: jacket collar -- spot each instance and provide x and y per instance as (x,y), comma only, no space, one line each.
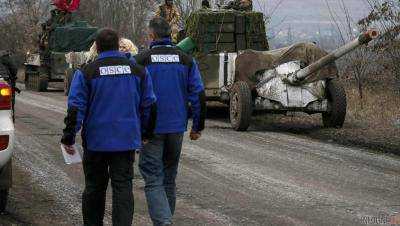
(161,42)
(111,54)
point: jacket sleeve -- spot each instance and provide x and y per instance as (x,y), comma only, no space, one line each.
(77,106)
(197,98)
(148,108)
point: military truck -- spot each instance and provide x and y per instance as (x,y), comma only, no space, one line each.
(60,34)
(218,36)
(238,69)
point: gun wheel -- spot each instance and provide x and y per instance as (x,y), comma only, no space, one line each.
(338,104)
(241,107)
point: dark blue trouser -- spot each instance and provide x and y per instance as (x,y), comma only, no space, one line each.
(99,167)
(158,165)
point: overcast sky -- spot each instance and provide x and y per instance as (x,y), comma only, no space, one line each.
(309,11)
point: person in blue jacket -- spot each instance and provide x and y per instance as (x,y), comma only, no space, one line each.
(112,99)
(179,90)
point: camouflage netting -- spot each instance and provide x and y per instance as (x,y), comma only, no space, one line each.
(227,30)
(73,37)
(250,62)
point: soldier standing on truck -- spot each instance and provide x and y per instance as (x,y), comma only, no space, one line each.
(58,18)
(171,14)
(242,5)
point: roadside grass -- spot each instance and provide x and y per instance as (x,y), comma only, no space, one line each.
(379,107)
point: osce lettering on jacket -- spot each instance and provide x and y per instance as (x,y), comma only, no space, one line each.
(115,70)
(165,59)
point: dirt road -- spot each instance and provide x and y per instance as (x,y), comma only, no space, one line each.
(226,178)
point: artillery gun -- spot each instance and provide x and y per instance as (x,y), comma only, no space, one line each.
(298,78)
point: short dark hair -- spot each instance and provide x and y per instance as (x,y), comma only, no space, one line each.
(160,27)
(107,39)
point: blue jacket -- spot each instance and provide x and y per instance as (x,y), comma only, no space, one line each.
(178,87)
(111,99)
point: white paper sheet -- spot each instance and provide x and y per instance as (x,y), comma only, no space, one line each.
(71,159)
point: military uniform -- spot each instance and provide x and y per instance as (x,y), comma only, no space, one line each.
(243,5)
(172,16)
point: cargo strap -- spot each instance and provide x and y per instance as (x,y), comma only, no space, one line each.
(226,61)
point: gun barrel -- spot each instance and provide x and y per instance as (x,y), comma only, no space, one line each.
(302,74)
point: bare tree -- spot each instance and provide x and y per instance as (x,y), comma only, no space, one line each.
(20,23)
(129,17)
(386,15)
(357,61)
(269,11)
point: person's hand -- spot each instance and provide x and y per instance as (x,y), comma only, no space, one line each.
(195,135)
(145,141)
(70,149)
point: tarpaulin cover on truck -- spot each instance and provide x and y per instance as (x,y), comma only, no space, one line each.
(75,37)
(249,62)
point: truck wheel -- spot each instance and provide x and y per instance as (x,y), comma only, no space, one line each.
(42,83)
(3,200)
(336,96)
(29,71)
(241,106)
(69,75)
(35,81)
